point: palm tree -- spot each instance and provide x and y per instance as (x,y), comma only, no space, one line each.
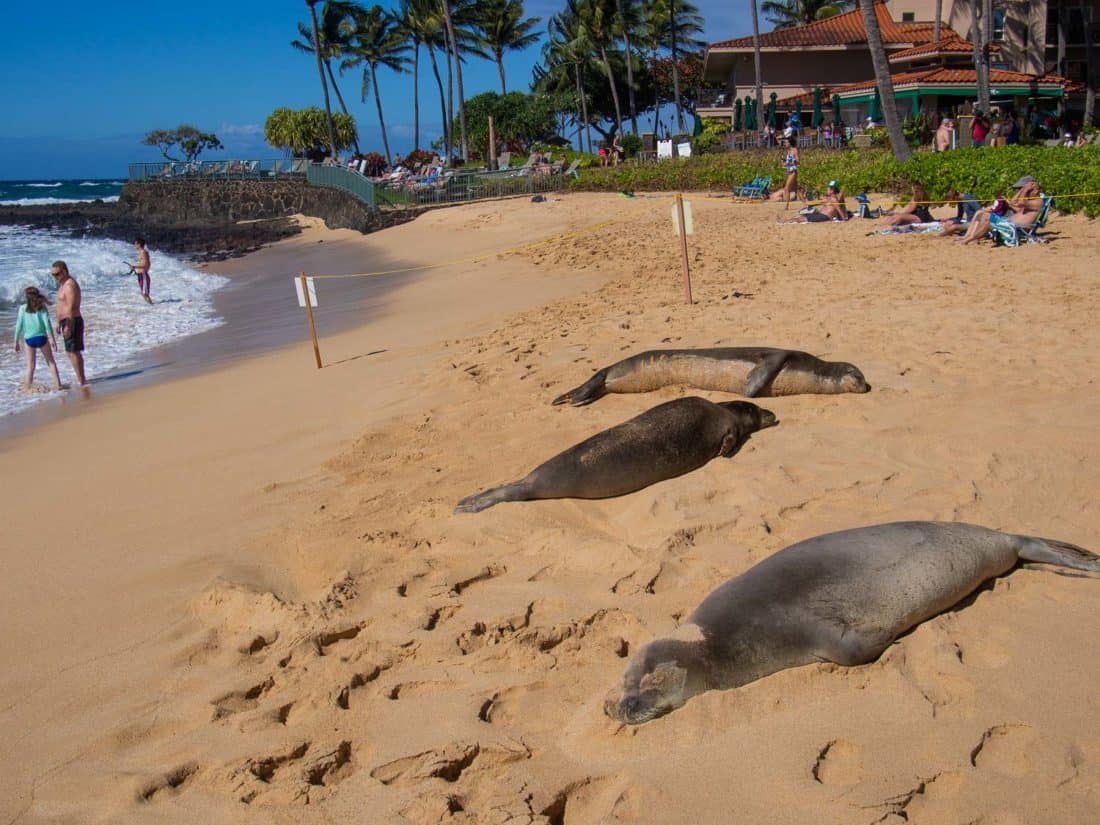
(425,17)
(883,80)
(788,13)
(501,27)
(378,43)
(597,20)
(321,73)
(628,19)
(987,39)
(756,63)
(334,36)
(567,51)
(452,41)
(937,25)
(665,21)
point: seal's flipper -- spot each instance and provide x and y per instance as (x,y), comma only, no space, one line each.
(762,374)
(586,393)
(516,491)
(1063,554)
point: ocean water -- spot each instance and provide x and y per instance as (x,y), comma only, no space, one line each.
(32,192)
(120,326)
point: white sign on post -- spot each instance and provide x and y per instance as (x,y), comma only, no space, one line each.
(689,226)
(312,291)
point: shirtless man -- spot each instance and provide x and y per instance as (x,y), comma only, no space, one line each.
(70,325)
(141,269)
(1023,209)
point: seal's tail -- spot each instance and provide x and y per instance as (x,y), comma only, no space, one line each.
(1063,554)
(483,501)
(586,393)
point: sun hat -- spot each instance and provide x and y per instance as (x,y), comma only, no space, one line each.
(1022,182)
(833,184)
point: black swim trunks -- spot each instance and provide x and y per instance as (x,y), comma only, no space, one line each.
(72,331)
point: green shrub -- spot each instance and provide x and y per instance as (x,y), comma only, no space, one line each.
(632,144)
(985,172)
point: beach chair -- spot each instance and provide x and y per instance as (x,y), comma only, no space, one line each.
(572,172)
(1004,231)
(757,190)
(299,166)
(503,160)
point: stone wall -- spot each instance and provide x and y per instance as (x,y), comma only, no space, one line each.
(229,201)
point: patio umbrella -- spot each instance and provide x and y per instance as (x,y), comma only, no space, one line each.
(737,115)
(836,110)
(750,113)
(818,117)
(876,107)
(771,109)
(697,129)
(798,109)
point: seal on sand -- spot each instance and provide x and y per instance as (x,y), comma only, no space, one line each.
(841,597)
(750,371)
(669,440)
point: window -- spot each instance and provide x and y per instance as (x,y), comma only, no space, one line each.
(908,17)
(999,26)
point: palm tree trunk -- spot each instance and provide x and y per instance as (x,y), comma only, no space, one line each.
(442,103)
(675,67)
(381,119)
(884,81)
(937,25)
(629,67)
(1090,77)
(458,80)
(450,99)
(340,99)
(976,42)
(584,110)
(500,69)
(987,39)
(321,72)
(756,59)
(614,91)
(416,95)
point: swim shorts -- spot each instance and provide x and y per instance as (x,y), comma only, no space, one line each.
(35,341)
(72,331)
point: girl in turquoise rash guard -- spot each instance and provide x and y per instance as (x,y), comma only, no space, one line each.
(32,325)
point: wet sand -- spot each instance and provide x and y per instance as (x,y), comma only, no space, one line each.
(260,607)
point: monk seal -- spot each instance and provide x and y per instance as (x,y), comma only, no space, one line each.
(750,371)
(667,441)
(841,597)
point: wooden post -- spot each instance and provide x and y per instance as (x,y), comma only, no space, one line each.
(492,146)
(684,245)
(309,315)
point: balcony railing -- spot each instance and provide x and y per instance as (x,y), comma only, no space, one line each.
(217,169)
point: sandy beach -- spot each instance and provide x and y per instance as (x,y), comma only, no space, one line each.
(242,595)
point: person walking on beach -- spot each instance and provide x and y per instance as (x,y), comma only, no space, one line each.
(141,269)
(69,321)
(32,324)
(790,166)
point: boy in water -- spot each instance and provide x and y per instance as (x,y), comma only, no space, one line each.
(141,269)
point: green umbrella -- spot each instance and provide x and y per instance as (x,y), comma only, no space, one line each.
(916,106)
(818,117)
(771,109)
(737,115)
(798,109)
(837,118)
(750,113)
(698,128)
(876,107)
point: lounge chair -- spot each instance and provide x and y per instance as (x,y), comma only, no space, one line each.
(1010,234)
(503,160)
(571,172)
(757,190)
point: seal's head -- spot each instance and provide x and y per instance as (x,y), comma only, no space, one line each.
(849,379)
(750,416)
(660,678)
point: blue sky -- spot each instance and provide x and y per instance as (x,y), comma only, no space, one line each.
(81,83)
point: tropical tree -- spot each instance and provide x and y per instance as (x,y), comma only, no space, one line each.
(456,56)
(516,117)
(937,25)
(628,20)
(567,62)
(667,24)
(423,23)
(321,73)
(378,42)
(883,80)
(987,40)
(334,37)
(597,19)
(785,14)
(191,141)
(304,132)
(501,27)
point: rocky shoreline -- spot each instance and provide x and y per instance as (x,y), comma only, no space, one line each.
(201,240)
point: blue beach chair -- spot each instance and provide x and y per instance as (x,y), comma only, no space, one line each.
(1004,231)
(757,190)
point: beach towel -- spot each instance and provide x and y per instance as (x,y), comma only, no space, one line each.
(910,229)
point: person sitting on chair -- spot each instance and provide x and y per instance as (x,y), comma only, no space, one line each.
(1022,210)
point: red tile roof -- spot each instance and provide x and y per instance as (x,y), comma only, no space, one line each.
(954,77)
(839,30)
(945,45)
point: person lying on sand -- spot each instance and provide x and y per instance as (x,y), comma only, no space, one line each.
(916,211)
(1022,210)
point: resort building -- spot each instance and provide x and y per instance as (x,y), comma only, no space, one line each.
(1031,42)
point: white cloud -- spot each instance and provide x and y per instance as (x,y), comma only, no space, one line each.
(246,130)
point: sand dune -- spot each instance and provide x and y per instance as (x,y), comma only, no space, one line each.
(334,644)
